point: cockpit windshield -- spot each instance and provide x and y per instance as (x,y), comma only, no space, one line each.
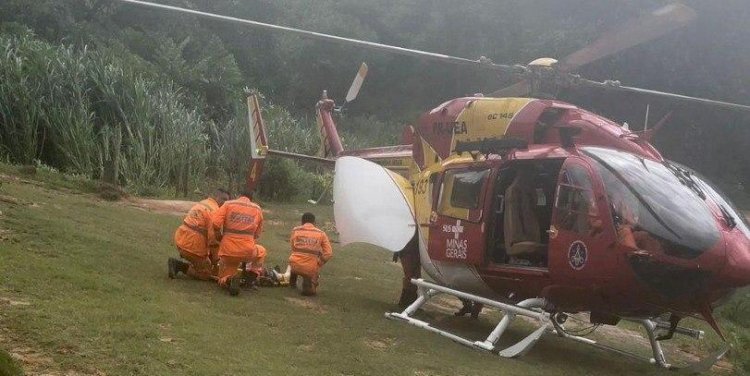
(732,215)
(656,206)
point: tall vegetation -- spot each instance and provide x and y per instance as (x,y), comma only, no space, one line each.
(89,113)
(94,113)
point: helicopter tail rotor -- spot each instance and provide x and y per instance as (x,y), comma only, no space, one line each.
(359,79)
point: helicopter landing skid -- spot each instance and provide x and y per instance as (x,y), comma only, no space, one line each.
(529,308)
(548,323)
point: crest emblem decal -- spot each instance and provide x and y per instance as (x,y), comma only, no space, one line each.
(577,255)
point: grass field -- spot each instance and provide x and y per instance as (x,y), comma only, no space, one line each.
(84,290)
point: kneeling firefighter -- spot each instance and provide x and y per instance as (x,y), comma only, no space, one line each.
(311,249)
(241,222)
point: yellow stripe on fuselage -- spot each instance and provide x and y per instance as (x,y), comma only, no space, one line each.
(487,118)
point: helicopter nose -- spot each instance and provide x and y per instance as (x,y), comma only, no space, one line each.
(736,271)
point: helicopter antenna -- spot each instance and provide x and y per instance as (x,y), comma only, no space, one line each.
(645,122)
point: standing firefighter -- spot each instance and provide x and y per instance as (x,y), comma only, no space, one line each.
(241,221)
(409,257)
(310,251)
(194,238)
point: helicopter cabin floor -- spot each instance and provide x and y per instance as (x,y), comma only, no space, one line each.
(83,290)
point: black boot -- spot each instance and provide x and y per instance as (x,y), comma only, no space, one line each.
(408,296)
(234,285)
(175,266)
(475,310)
(468,307)
(293,281)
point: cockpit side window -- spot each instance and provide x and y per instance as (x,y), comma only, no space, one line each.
(461,193)
(575,201)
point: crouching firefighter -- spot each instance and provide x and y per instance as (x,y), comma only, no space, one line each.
(241,222)
(311,249)
(195,237)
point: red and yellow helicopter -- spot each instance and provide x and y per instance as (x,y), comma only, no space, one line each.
(536,207)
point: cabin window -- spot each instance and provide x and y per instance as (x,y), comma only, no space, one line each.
(575,201)
(460,196)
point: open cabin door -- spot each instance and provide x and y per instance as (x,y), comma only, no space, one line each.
(456,230)
(580,235)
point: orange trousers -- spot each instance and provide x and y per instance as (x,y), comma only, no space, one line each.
(200,267)
(258,263)
(229,267)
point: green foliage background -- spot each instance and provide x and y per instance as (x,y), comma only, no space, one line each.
(88,59)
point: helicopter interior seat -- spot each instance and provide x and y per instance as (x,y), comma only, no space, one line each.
(522,231)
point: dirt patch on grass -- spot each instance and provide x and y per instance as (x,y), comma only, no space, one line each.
(380,344)
(173,207)
(30,358)
(445,304)
(13,302)
(16,179)
(37,363)
(7,236)
(306,347)
(307,304)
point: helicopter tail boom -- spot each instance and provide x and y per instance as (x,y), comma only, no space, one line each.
(258,142)
(330,142)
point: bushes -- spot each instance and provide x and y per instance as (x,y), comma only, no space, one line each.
(282,179)
(104,116)
(86,112)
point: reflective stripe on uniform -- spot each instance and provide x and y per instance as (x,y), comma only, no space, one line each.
(197,229)
(239,232)
(302,228)
(250,205)
(210,209)
(309,252)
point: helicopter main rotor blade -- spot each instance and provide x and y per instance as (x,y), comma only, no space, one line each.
(357,83)
(519,89)
(632,33)
(482,63)
(615,85)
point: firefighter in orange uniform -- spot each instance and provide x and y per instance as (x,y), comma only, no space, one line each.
(311,249)
(194,238)
(241,221)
